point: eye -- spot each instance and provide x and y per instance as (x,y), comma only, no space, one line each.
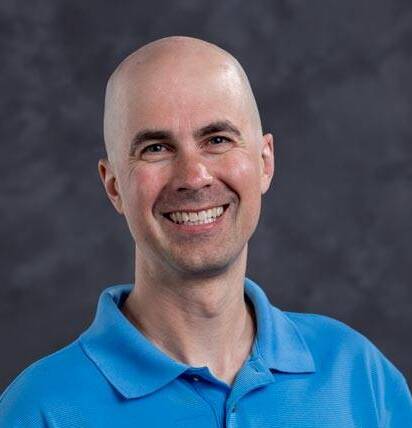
(156,152)
(153,148)
(218,139)
(219,144)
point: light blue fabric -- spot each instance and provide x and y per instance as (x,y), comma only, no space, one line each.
(305,371)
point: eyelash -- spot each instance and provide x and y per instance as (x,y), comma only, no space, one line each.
(221,137)
(146,149)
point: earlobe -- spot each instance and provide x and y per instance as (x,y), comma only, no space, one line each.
(268,162)
(109,181)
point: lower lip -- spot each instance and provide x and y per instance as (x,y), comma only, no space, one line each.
(197,228)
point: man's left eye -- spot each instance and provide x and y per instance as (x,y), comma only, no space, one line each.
(218,139)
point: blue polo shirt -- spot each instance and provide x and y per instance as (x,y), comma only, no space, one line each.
(305,371)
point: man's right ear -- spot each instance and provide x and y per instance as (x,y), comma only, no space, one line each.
(109,181)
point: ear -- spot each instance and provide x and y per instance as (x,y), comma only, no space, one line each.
(267,154)
(109,181)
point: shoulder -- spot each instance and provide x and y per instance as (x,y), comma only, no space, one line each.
(324,331)
(332,340)
(348,364)
(51,380)
(346,357)
(58,368)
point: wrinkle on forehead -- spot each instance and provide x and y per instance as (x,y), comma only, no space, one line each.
(161,66)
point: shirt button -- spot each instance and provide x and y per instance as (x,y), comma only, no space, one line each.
(195,378)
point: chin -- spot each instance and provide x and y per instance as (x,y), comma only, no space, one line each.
(203,267)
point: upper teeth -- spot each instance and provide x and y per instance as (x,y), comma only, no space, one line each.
(205,216)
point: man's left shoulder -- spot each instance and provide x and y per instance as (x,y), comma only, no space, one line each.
(334,343)
(325,331)
(326,334)
(349,364)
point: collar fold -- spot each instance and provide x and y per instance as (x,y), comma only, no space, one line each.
(128,360)
(278,341)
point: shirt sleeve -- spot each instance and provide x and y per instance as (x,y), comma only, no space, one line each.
(19,408)
(399,408)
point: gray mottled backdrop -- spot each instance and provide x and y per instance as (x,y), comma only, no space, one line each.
(333,81)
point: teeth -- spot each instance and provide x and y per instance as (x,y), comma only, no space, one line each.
(200,217)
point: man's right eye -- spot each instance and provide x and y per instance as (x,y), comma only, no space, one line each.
(156,152)
(153,148)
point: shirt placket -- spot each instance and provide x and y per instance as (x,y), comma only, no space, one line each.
(252,375)
(213,391)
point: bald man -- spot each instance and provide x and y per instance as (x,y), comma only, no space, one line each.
(193,342)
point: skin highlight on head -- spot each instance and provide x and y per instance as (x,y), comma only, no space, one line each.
(183,134)
(174,49)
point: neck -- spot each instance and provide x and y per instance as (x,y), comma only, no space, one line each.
(198,322)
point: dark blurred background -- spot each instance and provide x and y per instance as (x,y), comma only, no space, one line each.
(333,82)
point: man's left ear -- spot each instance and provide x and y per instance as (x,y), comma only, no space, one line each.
(267,154)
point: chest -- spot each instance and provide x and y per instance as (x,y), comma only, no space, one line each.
(286,403)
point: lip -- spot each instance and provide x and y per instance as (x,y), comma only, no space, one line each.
(198,228)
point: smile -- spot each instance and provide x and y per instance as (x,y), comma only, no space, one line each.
(196,217)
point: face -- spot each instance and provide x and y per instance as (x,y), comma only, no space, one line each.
(189,170)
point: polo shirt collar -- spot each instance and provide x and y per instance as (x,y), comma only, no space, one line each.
(278,342)
(136,367)
(129,361)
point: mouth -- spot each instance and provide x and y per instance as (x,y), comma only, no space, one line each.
(198,217)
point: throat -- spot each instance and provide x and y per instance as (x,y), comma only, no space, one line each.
(223,350)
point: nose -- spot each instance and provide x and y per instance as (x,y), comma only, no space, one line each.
(191,173)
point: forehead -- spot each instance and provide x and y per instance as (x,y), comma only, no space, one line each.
(180,95)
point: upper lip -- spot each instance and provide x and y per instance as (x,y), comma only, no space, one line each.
(195,209)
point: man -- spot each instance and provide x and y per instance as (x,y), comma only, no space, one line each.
(194,342)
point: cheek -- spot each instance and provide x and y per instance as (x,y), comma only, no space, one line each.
(243,175)
(244,178)
(142,188)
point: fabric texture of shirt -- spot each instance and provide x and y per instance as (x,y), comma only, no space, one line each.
(304,371)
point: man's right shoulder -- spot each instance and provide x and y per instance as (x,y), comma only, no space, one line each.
(46,383)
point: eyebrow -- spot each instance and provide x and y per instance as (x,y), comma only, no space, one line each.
(219,126)
(152,134)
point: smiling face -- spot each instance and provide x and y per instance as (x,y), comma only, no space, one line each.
(189,163)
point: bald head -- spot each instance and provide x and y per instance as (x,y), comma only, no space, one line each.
(177,69)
